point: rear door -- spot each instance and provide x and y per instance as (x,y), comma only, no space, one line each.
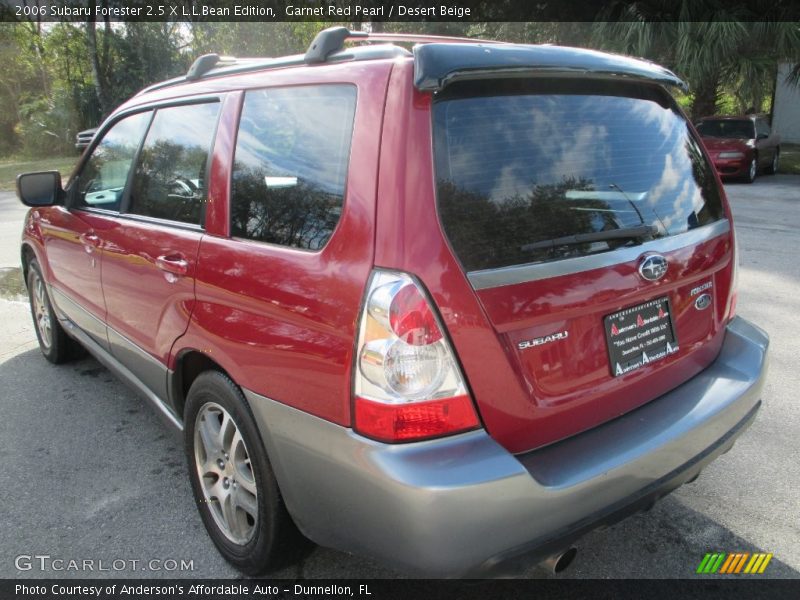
(280,280)
(151,249)
(594,237)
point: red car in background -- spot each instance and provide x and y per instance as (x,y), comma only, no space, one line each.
(740,147)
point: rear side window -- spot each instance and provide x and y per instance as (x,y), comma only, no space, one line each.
(524,166)
(290,167)
(170,178)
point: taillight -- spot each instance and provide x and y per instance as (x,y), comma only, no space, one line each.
(407,385)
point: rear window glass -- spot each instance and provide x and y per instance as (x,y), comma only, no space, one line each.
(523,167)
(741,130)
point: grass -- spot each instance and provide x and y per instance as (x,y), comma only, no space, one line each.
(10,167)
(790,159)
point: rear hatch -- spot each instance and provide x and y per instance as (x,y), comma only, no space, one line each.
(595,237)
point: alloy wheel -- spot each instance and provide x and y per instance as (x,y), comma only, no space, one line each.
(41,312)
(225,473)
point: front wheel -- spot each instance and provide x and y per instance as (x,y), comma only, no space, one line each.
(232,479)
(55,344)
(773,167)
(752,170)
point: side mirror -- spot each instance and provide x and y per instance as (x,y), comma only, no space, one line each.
(762,136)
(40,189)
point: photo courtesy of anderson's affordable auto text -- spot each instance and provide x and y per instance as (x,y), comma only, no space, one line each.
(383,300)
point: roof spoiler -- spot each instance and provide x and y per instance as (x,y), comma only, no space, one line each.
(439,64)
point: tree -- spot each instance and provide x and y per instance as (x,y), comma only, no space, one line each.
(101,61)
(246,39)
(713,47)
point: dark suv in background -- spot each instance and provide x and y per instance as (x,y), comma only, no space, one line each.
(83,139)
(450,308)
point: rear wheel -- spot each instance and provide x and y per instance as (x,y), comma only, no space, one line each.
(232,479)
(55,344)
(752,170)
(773,167)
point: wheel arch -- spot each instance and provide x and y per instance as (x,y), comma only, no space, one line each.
(27,254)
(189,364)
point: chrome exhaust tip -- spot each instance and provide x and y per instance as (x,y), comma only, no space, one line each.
(558,562)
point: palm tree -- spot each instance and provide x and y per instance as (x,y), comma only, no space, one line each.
(713,47)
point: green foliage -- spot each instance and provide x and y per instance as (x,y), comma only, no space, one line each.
(61,78)
(723,54)
(52,89)
(254,39)
(790,159)
(44,128)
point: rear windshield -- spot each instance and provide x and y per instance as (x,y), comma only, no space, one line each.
(726,128)
(522,167)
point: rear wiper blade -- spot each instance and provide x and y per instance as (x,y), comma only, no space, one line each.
(625,233)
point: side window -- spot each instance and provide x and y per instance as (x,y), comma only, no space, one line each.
(101,182)
(170,178)
(290,167)
(762,128)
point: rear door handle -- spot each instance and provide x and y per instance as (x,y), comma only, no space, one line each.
(173,263)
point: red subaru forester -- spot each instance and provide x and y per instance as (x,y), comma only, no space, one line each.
(450,308)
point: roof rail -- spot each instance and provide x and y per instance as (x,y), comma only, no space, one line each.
(327,46)
(332,39)
(328,41)
(205,63)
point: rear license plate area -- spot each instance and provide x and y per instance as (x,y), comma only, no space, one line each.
(640,335)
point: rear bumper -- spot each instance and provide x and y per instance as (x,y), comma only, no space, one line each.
(464,506)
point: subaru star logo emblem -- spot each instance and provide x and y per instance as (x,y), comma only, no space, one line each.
(653,267)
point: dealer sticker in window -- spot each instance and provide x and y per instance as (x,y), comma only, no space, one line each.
(640,335)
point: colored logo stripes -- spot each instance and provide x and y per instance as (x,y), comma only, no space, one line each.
(734,563)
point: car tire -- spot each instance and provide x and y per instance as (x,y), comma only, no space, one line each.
(752,170)
(56,345)
(773,166)
(232,479)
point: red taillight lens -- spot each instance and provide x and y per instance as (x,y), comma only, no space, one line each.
(415,420)
(412,319)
